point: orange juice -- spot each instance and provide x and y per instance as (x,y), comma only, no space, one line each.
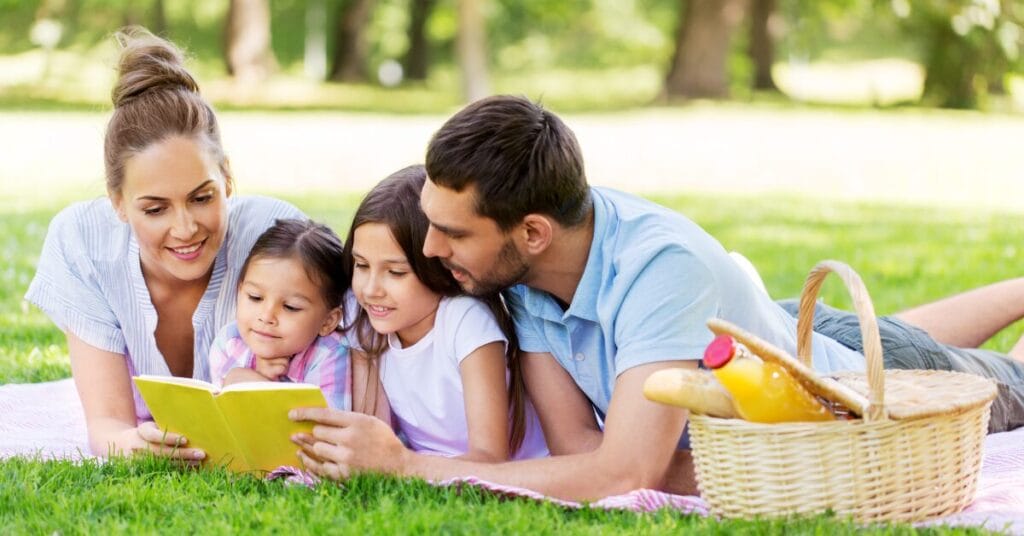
(761,391)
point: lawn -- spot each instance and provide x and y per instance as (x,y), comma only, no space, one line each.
(906,255)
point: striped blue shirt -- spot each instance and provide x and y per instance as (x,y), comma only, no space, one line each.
(89,281)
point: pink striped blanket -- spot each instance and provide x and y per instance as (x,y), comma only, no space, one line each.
(45,420)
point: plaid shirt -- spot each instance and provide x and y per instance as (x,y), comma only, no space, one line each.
(324,363)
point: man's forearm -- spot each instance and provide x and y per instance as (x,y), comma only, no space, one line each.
(577,477)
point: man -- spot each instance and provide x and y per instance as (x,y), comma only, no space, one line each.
(605,289)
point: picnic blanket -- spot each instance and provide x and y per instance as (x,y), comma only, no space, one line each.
(45,420)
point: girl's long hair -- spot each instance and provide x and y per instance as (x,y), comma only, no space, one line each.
(395,202)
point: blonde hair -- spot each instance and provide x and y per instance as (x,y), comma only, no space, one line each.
(155,98)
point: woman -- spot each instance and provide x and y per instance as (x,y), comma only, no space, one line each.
(141,281)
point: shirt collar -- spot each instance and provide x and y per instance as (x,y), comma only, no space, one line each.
(584,301)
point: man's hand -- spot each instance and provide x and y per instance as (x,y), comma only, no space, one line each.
(344,443)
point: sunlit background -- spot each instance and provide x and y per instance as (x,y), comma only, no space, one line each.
(844,99)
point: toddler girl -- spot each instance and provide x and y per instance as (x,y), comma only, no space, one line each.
(288,308)
(446,363)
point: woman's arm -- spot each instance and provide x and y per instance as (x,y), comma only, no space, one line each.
(103,384)
(485,395)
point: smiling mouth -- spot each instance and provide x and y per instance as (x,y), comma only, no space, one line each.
(188,252)
(378,310)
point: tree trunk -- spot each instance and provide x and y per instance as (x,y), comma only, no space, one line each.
(950,67)
(699,65)
(159,18)
(247,49)
(72,18)
(471,45)
(417,58)
(762,43)
(314,56)
(349,44)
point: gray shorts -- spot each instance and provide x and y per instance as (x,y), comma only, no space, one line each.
(907,347)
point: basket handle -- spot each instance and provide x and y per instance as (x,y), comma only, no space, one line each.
(868,328)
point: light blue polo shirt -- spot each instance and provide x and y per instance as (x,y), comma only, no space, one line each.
(652,280)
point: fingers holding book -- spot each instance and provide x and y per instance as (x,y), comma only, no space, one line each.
(343,443)
(166,444)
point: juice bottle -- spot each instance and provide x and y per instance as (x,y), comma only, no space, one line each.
(761,391)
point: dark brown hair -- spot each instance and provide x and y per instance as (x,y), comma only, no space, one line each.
(521,159)
(395,202)
(155,98)
(314,245)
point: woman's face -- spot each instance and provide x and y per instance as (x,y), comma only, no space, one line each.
(175,199)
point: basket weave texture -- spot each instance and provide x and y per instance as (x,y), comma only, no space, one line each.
(916,463)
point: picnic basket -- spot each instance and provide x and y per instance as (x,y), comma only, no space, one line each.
(913,453)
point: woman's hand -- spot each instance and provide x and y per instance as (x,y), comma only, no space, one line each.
(344,443)
(148,438)
(104,386)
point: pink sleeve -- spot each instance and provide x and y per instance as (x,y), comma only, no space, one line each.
(328,367)
(227,351)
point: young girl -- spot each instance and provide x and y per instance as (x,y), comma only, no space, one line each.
(289,305)
(446,363)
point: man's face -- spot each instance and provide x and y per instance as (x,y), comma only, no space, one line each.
(481,257)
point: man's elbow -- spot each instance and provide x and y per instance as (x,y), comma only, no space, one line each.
(485,456)
(635,474)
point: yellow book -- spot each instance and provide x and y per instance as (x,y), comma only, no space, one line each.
(244,426)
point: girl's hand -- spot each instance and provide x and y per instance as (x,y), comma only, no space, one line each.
(242,374)
(272,368)
(148,438)
(344,443)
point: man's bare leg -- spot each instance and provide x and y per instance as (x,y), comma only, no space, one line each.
(969,319)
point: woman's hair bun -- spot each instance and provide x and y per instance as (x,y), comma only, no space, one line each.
(148,63)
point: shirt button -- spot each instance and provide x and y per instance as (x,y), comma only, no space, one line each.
(579,357)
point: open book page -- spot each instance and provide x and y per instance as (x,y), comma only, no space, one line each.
(245,426)
(188,407)
(258,415)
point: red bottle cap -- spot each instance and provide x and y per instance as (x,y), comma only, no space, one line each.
(719,352)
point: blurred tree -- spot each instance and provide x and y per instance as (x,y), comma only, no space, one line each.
(761,46)
(314,57)
(350,43)
(159,18)
(247,49)
(699,65)
(968,46)
(417,57)
(471,48)
(150,14)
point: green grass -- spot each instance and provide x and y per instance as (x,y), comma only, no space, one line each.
(906,255)
(149,496)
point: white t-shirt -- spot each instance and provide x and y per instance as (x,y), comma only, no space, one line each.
(424,384)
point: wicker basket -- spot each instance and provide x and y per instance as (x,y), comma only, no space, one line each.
(914,459)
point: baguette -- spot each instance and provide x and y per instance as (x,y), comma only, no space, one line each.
(695,390)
